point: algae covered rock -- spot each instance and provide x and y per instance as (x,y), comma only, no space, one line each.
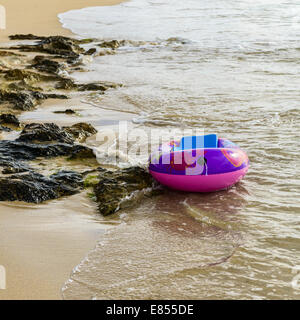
(80,131)
(116,188)
(22,74)
(113,44)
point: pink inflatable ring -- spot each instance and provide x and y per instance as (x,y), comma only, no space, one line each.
(199,164)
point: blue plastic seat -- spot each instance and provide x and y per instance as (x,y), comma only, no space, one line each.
(198,142)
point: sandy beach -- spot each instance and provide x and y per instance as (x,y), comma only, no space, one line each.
(80,214)
(40,16)
(40,245)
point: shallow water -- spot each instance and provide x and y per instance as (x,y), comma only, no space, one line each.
(223,66)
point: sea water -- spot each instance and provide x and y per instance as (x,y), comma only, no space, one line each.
(228,67)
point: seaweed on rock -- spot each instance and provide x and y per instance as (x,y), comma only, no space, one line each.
(116,188)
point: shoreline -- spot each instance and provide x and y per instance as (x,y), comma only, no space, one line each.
(41,16)
(41,244)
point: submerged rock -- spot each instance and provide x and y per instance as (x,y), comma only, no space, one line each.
(69,84)
(113,44)
(90,52)
(116,188)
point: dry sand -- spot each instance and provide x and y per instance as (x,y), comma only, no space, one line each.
(41,244)
(40,16)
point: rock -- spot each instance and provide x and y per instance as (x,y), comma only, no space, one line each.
(4,53)
(20,100)
(32,186)
(80,131)
(52,133)
(82,153)
(23,85)
(71,178)
(6,129)
(113,44)
(115,187)
(34,37)
(8,118)
(68,84)
(22,74)
(25,37)
(60,46)
(35,188)
(13,170)
(26,100)
(92,87)
(44,133)
(67,111)
(44,64)
(18,151)
(90,52)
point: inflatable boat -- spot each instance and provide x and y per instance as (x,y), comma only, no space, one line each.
(199,164)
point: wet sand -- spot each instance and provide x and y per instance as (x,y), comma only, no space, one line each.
(41,244)
(40,16)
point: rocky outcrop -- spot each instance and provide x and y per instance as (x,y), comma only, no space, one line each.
(8,122)
(9,119)
(52,133)
(34,187)
(120,188)
(56,45)
(44,133)
(38,141)
(36,79)
(25,100)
